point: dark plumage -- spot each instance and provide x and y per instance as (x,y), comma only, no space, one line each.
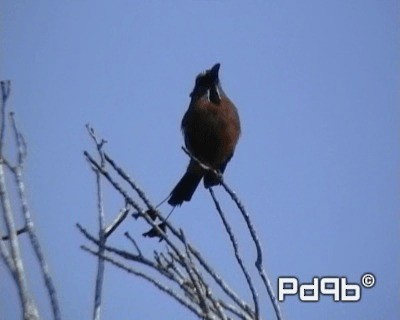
(211,128)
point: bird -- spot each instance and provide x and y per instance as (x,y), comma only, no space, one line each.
(211,129)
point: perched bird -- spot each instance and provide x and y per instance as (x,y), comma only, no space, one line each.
(211,129)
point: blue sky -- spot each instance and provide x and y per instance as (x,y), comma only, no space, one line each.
(317,88)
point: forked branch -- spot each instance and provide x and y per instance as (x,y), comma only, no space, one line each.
(180,271)
(11,254)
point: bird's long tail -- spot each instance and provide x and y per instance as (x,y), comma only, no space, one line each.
(185,188)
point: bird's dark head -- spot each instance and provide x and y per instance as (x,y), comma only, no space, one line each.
(207,83)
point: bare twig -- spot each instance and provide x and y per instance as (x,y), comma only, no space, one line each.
(130,181)
(162,269)
(118,220)
(183,264)
(29,307)
(44,267)
(191,270)
(157,284)
(102,234)
(122,253)
(100,260)
(130,201)
(18,175)
(5,94)
(259,261)
(234,310)
(221,283)
(19,231)
(22,151)
(7,260)
(216,307)
(133,203)
(235,246)
(133,242)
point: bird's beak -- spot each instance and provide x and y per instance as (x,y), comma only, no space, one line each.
(214,71)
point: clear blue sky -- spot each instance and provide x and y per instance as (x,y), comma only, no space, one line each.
(317,87)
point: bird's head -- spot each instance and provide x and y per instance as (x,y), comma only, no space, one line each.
(208,84)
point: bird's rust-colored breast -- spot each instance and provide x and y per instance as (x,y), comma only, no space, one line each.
(211,130)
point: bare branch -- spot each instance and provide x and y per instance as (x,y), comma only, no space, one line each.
(183,264)
(235,246)
(7,260)
(5,94)
(122,253)
(44,267)
(234,310)
(221,283)
(259,261)
(99,142)
(20,141)
(133,242)
(157,284)
(191,270)
(133,203)
(164,270)
(100,261)
(101,226)
(118,220)
(129,180)
(162,234)
(18,175)
(19,231)
(29,308)
(112,181)
(253,233)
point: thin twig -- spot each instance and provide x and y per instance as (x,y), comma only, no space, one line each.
(191,270)
(100,260)
(235,246)
(18,175)
(259,261)
(45,269)
(101,227)
(160,286)
(234,311)
(19,231)
(134,204)
(221,283)
(170,264)
(29,308)
(130,201)
(216,306)
(22,151)
(129,256)
(139,209)
(5,94)
(164,270)
(195,287)
(133,242)
(118,220)
(7,260)
(183,260)
(128,179)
